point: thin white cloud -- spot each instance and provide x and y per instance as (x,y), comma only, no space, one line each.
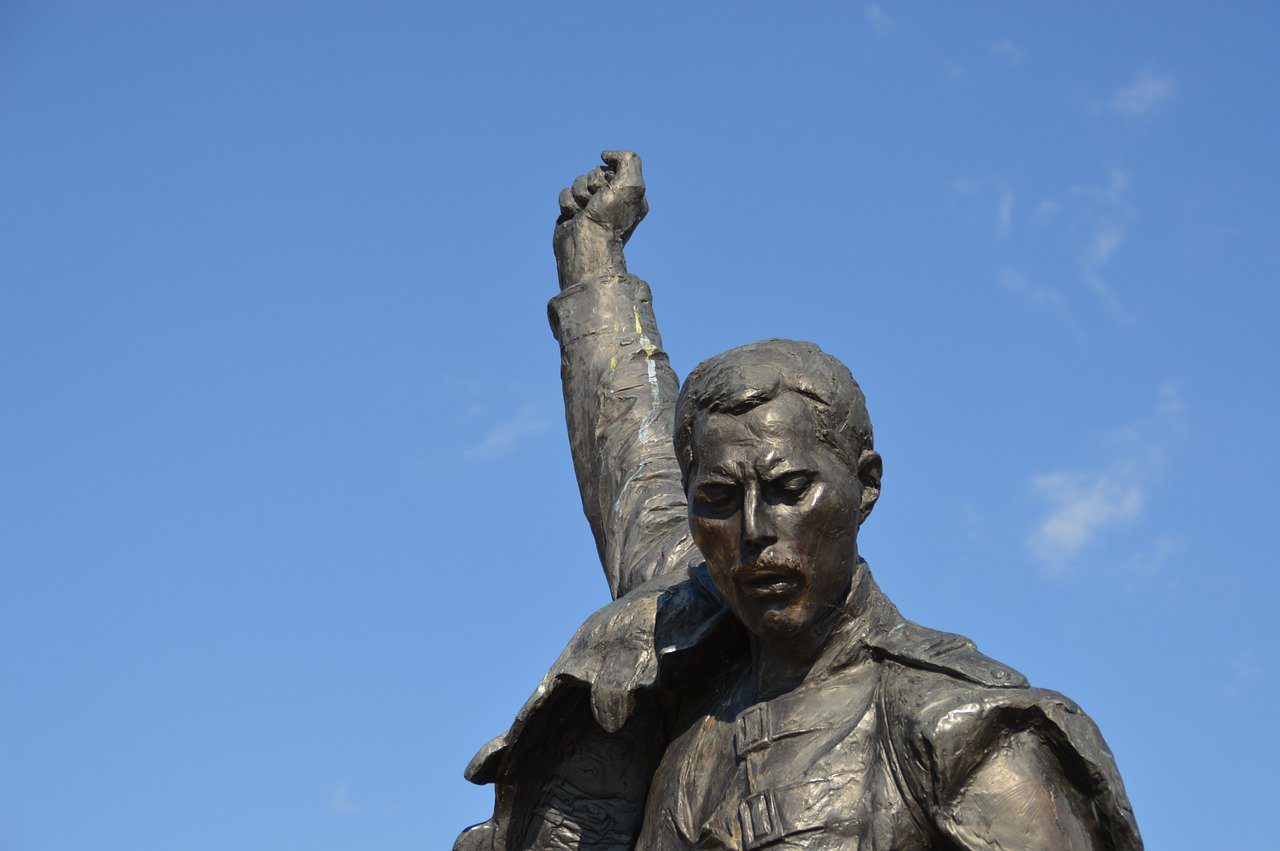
(1008,51)
(1083,505)
(1004,210)
(987,199)
(502,437)
(1102,246)
(1244,672)
(1112,193)
(340,800)
(1143,96)
(1149,563)
(1171,404)
(1033,292)
(1106,213)
(972,522)
(878,19)
(1087,225)
(1046,211)
(967,187)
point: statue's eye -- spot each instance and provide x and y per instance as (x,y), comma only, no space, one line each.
(717,497)
(789,487)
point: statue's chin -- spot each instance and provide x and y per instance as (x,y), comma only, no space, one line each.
(781,622)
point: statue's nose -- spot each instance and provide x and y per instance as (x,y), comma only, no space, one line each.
(757,520)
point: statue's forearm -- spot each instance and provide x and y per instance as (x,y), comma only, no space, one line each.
(619,395)
(619,388)
(586,251)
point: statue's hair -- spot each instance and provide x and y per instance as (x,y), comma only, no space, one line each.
(743,378)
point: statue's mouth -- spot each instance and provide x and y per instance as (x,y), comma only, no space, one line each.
(770,581)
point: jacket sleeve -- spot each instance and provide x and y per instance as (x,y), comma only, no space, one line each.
(1013,768)
(619,398)
(573,771)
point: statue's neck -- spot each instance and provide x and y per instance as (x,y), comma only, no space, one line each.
(781,664)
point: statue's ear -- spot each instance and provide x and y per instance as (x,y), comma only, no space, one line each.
(870,468)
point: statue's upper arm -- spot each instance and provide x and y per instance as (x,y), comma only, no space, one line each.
(1019,797)
(1005,767)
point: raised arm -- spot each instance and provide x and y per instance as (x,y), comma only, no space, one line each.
(619,388)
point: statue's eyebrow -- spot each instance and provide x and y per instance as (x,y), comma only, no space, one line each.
(720,473)
(788,466)
(787,472)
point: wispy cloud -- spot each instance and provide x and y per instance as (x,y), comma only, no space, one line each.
(1046,211)
(972,522)
(1244,672)
(1004,210)
(1102,245)
(1033,292)
(993,202)
(1106,213)
(1150,562)
(879,21)
(1052,248)
(1082,505)
(987,197)
(1172,406)
(1143,96)
(340,800)
(1008,51)
(503,436)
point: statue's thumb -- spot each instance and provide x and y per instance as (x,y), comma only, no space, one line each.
(625,165)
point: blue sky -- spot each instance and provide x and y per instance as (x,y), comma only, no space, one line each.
(289,522)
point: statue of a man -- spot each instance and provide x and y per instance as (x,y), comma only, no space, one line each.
(750,686)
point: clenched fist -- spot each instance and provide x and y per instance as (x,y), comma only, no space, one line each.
(598,214)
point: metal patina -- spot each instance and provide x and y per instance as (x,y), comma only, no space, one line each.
(750,686)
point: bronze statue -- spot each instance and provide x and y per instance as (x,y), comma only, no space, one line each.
(750,686)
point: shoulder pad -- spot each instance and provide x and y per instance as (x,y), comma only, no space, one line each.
(945,652)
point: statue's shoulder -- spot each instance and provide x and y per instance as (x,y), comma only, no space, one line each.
(939,688)
(657,629)
(663,616)
(621,648)
(944,694)
(918,648)
(949,707)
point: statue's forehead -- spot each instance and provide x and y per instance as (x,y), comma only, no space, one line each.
(785,425)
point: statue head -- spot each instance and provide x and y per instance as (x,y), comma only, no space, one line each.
(775,451)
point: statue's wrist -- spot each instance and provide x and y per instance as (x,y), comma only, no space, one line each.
(586,250)
(592,306)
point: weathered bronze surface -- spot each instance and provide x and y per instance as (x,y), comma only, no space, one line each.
(750,686)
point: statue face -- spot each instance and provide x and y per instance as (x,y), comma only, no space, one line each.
(775,513)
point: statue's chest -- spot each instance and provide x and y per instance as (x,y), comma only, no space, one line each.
(804,770)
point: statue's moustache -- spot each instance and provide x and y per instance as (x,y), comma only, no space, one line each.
(770,565)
